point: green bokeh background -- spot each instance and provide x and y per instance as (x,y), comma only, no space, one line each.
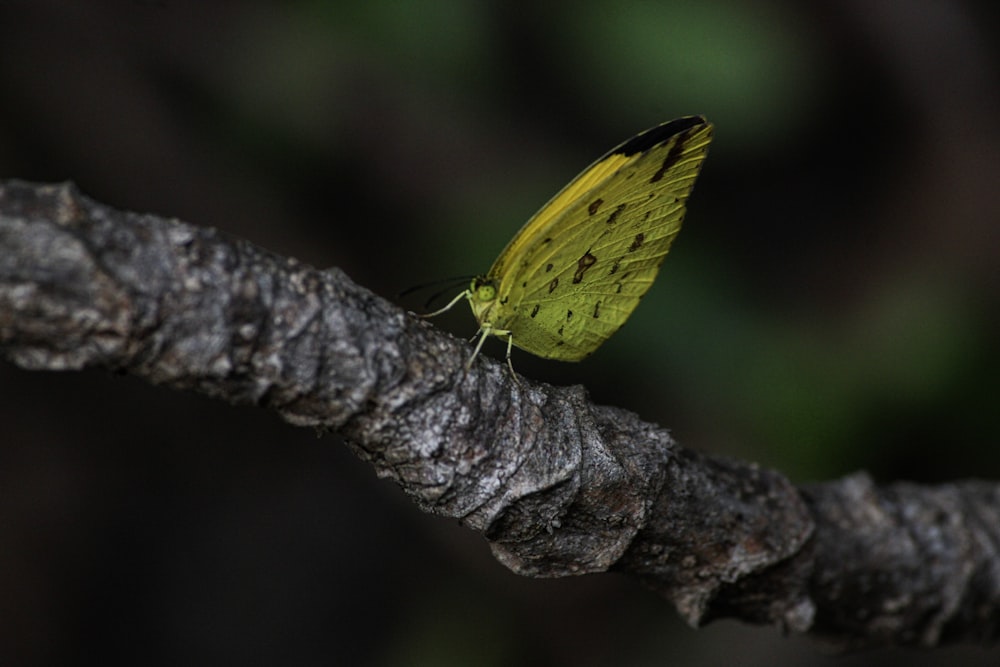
(833,303)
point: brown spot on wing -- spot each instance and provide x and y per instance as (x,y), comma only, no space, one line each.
(548,267)
(534,311)
(554,284)
(595,206)
(637,243)
(597,310)
(672,158)
(582,265)
(614,214)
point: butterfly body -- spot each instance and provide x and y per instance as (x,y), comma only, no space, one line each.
(576,271)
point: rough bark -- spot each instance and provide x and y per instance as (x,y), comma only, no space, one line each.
(558,486)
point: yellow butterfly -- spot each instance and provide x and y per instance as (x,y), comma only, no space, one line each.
(576,271)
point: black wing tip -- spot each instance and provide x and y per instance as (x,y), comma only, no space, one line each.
(657,135)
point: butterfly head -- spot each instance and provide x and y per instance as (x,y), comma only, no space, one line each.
(483,289)
(482,297)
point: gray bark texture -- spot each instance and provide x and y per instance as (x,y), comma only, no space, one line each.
(557,486)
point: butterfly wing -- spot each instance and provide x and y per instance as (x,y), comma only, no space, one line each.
(576,271)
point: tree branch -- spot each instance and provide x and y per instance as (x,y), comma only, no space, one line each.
(557,485)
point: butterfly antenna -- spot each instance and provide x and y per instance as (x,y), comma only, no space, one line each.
(455,280)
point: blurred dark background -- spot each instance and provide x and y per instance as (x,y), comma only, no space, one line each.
(831,305)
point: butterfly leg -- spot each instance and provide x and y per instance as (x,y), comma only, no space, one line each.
(475,353)
(464,295)
(510,343)
(483,334)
